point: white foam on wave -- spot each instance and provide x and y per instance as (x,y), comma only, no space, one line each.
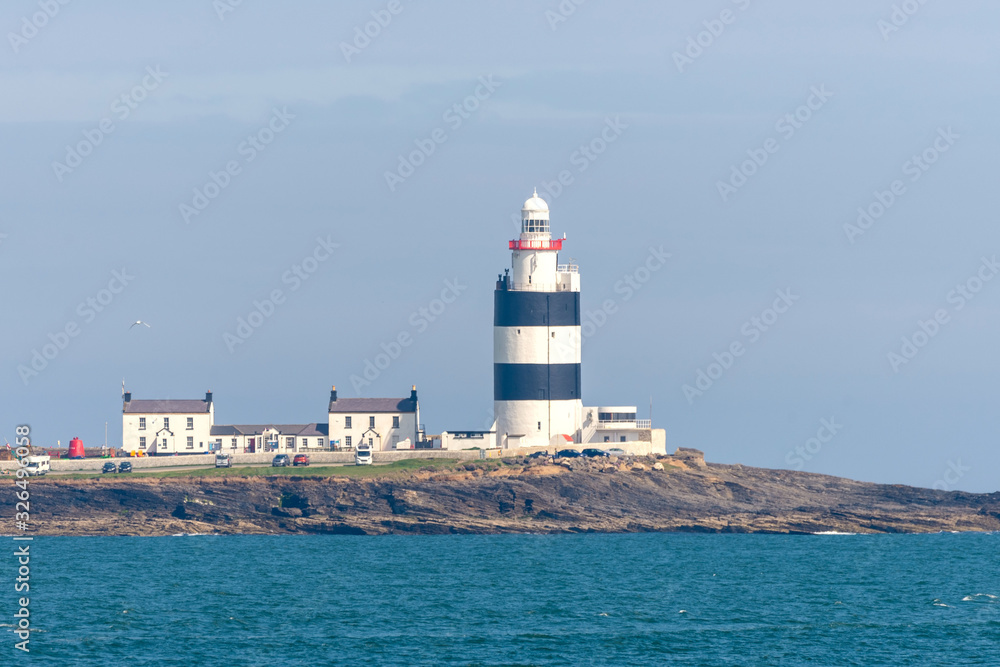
(977,596)
(832,532)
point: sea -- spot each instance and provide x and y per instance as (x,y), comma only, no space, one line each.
(578,599)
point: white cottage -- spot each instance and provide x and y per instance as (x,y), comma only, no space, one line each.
(158,427)
(382,423)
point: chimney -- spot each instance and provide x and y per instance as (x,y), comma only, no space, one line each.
(413,393)
(126,399)
(208,396)
(333,394)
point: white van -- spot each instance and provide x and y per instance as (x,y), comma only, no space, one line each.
(363,455)
(37,465)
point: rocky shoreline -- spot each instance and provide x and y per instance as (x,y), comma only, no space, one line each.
(665,493)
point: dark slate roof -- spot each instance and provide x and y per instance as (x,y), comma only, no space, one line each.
(168,406)
(373,405)
(304,430)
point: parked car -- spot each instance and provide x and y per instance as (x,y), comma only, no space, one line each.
(281,461)
(300,460)
(363,455)
(37,465)
(568,454)
(125,466)
(538,455)
(616,451)
(223,461)
(594,453)
(109,467)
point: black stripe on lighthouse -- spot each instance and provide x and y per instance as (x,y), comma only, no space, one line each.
(536,382)
(532,309)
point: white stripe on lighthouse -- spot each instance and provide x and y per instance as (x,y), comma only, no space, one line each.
(536,345)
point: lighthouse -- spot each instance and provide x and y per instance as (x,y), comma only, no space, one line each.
(536,339)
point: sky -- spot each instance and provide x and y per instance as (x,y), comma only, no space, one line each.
(783,214)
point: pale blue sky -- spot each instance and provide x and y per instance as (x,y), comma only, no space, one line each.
(655,185)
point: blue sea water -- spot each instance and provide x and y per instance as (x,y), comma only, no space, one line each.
(641,599)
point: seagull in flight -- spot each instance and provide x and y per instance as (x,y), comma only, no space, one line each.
(140,322)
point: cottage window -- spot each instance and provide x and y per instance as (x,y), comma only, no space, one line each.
(395,421)
(190,442)
(190,423)
(371,422)
(142,443)
(347,441)
(347,421)
(142,423)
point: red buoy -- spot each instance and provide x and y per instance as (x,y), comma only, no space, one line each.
(76,448)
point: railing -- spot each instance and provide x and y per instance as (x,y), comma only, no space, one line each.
(554,244)
(627,423)
(567,268)
(534,287)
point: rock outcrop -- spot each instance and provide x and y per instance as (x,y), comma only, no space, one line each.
(667,493)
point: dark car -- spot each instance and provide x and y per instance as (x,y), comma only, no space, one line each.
(568,454)
(300,460)
(109,467)
(280,461)
(125,466)
(594,453)
(538,455)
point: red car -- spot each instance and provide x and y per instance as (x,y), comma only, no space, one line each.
(300,460)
